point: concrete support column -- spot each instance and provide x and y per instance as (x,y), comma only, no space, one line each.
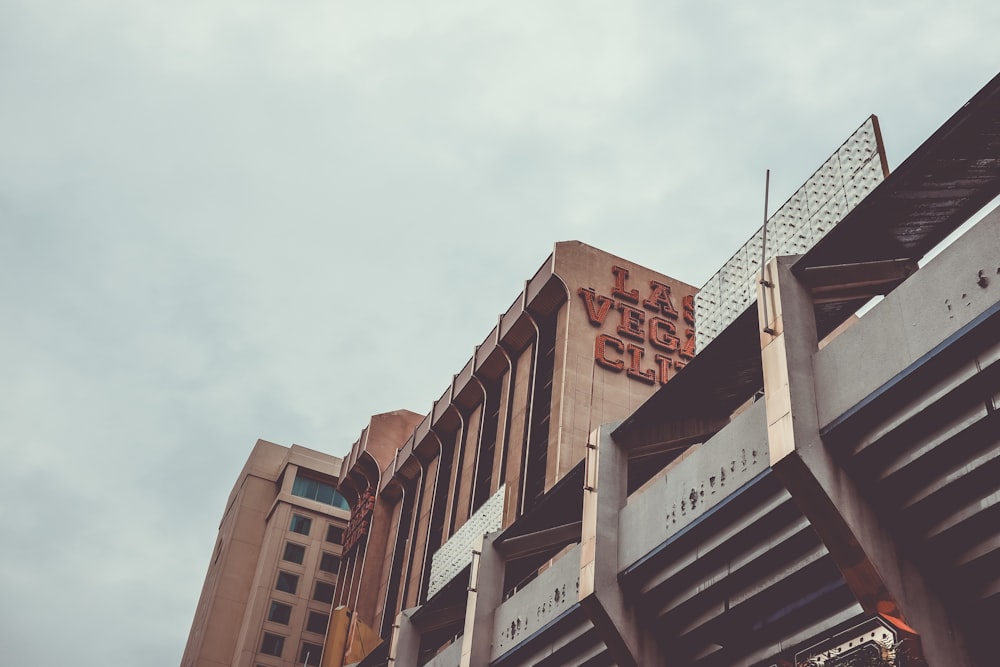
(486,579)
(404,645)
(485,594)
(881,576)
(605,494)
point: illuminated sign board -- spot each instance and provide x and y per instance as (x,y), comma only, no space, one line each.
(651,334)
(357,526)
(873,643)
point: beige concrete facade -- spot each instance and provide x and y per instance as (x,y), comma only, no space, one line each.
(275,534)
(781,502)
(590,338)
(645,337)
(369,530)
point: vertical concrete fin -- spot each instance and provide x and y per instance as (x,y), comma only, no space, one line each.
(404,645)
(486,577)
(605,494)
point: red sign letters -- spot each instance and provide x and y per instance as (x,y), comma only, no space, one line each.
(357,526)
(653,321)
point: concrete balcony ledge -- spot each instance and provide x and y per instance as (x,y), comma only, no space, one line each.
(694,485)
(450,657)
(553,593)
(949,293)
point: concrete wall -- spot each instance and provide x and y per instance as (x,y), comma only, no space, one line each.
(693,485)
(540,602)
(590,394)
(931,305)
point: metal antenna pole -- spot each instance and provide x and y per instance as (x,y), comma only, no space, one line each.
(763,254)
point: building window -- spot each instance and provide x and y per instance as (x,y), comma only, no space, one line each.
(272,644)
(296,553)
(287,582)
(300,524)
(323,592)
(310,654)
(329,563)
(334,534)
(323,492)
(317,622)
(279,612)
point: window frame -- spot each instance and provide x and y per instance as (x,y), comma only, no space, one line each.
(280,643)
(294,546)
(324,557)
(310,488)
(295,585)
(302,653)
(281,605)
(298,522)
(320,583)
(317,614)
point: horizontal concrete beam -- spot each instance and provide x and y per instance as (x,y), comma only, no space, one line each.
(531,544)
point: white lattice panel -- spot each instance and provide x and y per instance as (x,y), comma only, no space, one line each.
(813,210)
(456,553)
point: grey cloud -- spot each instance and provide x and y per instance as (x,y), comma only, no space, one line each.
(236,220)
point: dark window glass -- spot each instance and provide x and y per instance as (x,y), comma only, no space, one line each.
(334,534)
(325,493)
(317,622)
(310,654)
(279,612)
(323,592)
(272,644)
(287,582)
(304,487)
(295,553)
(300,524)
(329,563)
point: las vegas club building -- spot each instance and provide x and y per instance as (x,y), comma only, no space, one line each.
(797,464)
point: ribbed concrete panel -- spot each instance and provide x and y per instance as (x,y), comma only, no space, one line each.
(746,580)
(923,445)
(935,474)
(570,633)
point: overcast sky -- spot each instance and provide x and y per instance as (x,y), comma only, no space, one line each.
(224,220)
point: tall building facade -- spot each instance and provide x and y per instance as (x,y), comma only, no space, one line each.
(818,487)
(267,597)
(807,495)
(591,337)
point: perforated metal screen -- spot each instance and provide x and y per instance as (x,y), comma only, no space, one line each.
(814,209)
(456,553)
